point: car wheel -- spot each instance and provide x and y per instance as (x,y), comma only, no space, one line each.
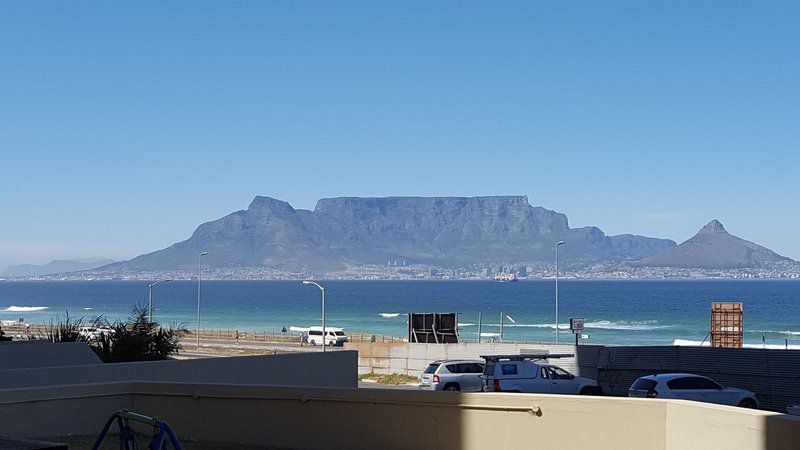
(452,387)
(591,390)
(748,403)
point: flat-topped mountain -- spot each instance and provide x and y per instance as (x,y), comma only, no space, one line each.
(448,231)
(713,248)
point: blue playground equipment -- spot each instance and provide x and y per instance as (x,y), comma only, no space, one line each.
(127,437)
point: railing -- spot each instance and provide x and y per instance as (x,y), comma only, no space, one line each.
(277,336)
(39,330)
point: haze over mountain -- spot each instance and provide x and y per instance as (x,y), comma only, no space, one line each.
(448,231)
(713,248)
(53,267)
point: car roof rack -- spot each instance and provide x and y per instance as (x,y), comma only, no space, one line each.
(526,356)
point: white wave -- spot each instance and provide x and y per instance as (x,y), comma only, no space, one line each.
(532,325)
(389,315)
(790,333)
(26,308)
(707,343)
(87,309)
(490,334)
(635,326)
(466,324)
(299,329)
(599,324)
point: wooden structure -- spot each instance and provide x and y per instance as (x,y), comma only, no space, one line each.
(726,324)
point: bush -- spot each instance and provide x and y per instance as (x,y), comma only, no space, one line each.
(138,339)
(65,330)
(393,378)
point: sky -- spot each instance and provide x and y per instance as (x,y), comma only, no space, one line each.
(125,125)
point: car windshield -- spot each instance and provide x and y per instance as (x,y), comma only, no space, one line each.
(432,368)
(339,333)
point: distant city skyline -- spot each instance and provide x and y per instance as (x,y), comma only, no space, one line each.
(125,126)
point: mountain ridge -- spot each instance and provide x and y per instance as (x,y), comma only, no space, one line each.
(344,231)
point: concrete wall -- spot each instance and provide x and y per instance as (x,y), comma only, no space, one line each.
(412,359)
(28,354)
(285,417)
(329,369)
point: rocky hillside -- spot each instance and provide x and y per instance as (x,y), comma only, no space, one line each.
(449,231)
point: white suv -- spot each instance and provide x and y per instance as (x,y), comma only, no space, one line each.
(523,373)
(453,375)
(688,386)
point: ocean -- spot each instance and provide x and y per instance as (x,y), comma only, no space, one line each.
(615,312)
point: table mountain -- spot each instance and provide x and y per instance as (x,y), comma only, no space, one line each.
(713,248)
(449,231)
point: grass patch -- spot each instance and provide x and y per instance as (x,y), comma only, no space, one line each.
(394,378)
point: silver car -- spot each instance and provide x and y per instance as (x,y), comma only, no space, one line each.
(452,375)
(689,386)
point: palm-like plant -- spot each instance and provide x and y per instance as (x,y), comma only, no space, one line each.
(138,339)
(66,330)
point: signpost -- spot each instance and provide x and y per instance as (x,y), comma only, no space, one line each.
(576,326)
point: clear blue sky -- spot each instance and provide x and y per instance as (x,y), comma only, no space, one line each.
(125,125)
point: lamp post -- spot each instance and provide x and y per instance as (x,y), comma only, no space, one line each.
(150,302)
(324,336)
(557,245)
(199,277)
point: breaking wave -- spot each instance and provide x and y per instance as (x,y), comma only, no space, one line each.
(707,343)
(26,308)
(598,324)
(465,324)
(785,332)
(389,315)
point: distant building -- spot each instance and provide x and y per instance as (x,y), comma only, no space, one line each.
(522,272)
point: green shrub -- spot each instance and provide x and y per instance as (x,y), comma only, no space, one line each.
(138,339)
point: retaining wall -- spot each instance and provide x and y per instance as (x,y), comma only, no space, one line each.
(329,369)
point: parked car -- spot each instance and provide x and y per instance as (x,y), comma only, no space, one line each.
(334,336)
(689,386)
(452,375)
(89,333)
(525,373)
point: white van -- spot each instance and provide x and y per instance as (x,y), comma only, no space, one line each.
(335,336)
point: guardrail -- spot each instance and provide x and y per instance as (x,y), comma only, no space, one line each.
(39,330)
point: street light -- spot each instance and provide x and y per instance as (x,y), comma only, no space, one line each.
(199,277)
(557,245)
(150,302)
(324,336)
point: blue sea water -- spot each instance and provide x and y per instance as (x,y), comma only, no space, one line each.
(616,312)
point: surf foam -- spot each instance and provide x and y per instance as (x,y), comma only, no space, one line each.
(26,308)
